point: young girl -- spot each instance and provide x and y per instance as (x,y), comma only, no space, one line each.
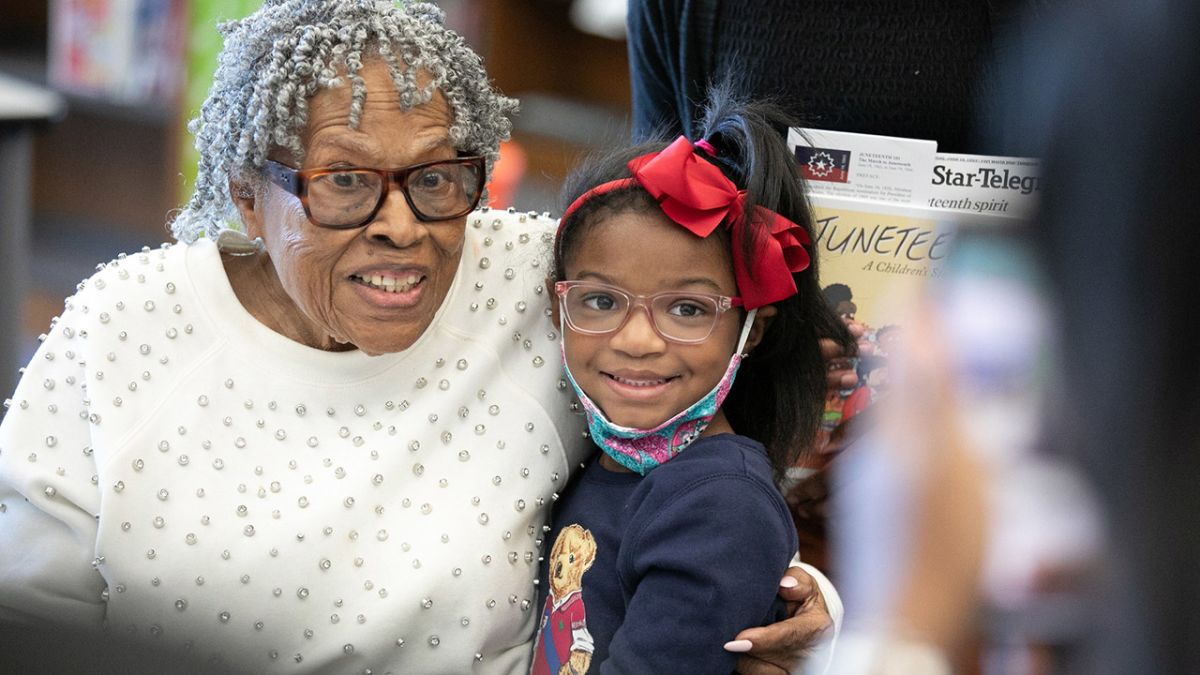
(678,267)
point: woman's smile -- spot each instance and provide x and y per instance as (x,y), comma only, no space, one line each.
(378,286)
(389,283)
(398,289)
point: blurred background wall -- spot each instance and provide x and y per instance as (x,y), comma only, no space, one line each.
(108,172)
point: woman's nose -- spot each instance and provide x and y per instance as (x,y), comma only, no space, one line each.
(395,224)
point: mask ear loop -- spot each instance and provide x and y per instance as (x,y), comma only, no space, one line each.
(741,347)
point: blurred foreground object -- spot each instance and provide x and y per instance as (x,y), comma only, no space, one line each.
(1118,115)
(1108,96)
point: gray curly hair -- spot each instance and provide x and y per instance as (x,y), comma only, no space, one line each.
(275,59)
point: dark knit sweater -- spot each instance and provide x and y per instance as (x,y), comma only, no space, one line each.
(894,67)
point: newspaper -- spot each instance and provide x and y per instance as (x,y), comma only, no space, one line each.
(912,172)
(886,212)
(861,166)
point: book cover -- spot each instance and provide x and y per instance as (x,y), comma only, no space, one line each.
(886,212)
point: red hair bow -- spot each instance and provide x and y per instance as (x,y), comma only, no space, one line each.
(695,194)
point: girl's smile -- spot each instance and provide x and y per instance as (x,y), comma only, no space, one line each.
(639,384)
(638,378)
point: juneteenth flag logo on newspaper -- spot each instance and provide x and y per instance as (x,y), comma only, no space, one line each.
(824,164)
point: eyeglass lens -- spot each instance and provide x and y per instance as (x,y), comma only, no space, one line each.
(436,191)
(677,316)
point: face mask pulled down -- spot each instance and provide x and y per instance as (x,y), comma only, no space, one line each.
(640,450)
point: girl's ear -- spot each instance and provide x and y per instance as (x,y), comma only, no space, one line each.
(246,201)
(762,320)
(553,301)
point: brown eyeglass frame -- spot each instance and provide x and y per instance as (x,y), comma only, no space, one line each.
(295,181)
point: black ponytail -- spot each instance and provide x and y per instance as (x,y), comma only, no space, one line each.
(779,395)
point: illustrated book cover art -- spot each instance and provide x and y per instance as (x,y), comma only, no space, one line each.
(887,211)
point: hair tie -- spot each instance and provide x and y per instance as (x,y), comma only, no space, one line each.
(704,145)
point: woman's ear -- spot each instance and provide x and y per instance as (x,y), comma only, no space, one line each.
(762,320)
(553,301)
(247,203)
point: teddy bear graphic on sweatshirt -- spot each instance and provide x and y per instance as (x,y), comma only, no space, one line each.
(564,646)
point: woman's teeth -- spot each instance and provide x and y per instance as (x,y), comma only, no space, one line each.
(390,284)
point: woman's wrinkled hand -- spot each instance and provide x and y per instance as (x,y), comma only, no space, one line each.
(779,648)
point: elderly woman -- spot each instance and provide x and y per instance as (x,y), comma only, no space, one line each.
(322,432)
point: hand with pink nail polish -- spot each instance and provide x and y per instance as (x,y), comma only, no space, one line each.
(779,648)
(739,646)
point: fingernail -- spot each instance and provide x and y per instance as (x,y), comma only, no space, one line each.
(738,646)
(788,582)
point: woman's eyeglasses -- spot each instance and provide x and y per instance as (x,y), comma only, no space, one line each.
(344,198)
(679,316)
